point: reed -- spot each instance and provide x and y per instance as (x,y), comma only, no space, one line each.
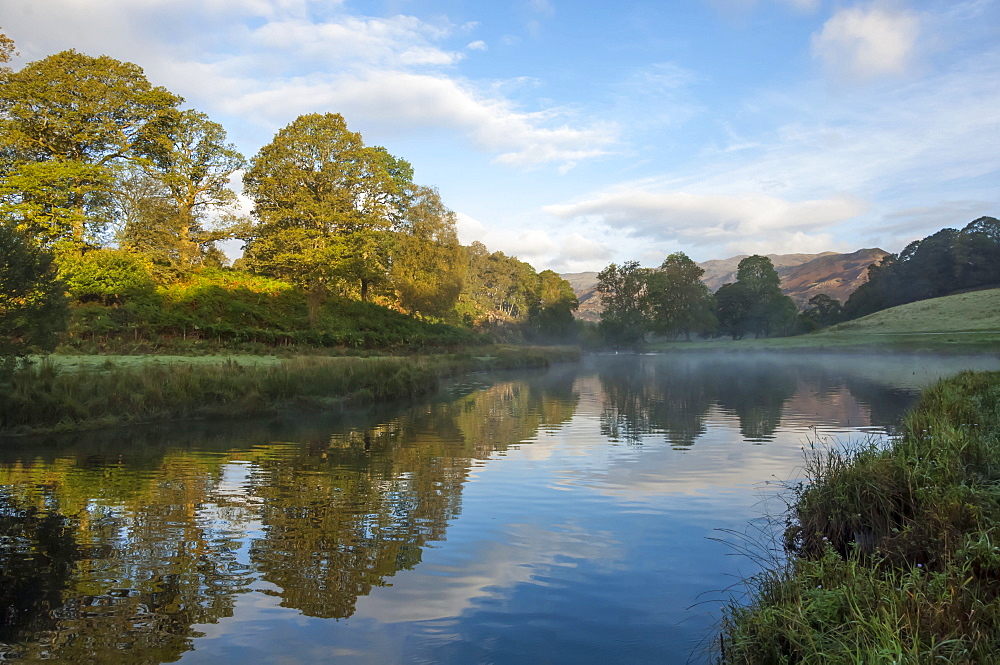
(41,398)
(895,552)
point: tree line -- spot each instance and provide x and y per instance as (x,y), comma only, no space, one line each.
(942,263)
(671,300)
(114,194)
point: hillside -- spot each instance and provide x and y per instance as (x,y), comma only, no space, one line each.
(976,311)
(802,277)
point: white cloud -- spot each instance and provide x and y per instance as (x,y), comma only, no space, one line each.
(694,219)
(861,44)
(269,62)
(469,229)
(478,45)
(534,246)
(577,248)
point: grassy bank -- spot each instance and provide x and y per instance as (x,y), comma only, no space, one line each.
(961,323)
(50,396)
(895,552)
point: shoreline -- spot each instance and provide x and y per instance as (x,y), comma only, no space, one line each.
(44,399)
(893,551)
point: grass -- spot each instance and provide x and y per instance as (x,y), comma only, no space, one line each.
(895,551)
(961,323)
(72,393)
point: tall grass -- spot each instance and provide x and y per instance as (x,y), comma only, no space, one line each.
(42,398)
(895,551)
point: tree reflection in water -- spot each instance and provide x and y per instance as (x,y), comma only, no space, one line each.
(137,540)
(673,396)
(129,541)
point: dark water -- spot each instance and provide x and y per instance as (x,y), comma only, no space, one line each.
(568,516)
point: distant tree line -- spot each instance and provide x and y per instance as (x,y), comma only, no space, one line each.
(942,263)
(672,300)
(129,195)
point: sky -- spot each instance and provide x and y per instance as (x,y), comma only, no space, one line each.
(575,133)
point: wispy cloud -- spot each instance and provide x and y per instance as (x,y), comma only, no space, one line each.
(694,219)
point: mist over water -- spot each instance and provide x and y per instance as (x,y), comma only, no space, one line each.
(567,516)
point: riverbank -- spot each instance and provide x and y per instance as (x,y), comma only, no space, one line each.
(88,392)
(895,552)
(847,341)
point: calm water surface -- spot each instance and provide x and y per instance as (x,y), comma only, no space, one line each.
(581,515)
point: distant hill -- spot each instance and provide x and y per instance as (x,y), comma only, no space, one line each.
(802,277)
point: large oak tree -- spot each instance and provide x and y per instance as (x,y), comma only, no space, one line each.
(68,124)
(325,204)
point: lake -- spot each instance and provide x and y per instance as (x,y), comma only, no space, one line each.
(591,513)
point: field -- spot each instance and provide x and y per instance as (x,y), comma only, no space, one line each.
(961,323)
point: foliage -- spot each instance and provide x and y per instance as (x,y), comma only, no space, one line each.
(214,308)
(32,305)
(822,311)
(767,309)
(324,203)
(552,318)
(678,301)
(623,289)
(188,176)
(732,308)
(942,263)
(6,48)
(896,552)
(500,291)
(107,276)
(67,123)
(428,267)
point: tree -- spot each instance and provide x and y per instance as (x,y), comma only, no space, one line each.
(623,294)
(193,162)
(977,253)
(679,302)
(32,306)
(324,205)
(732,307)
(822,311)
(428,269)
(6,49)
(766,306)
(552,317)
(500,292)
(67,123)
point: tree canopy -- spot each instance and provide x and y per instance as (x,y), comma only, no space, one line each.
(942,263)
(324,206)
(623,293)
(679,302)
(68,122)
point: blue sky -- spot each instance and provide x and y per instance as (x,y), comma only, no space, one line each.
(573,134)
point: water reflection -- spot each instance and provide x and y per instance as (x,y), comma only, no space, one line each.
(501,521)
